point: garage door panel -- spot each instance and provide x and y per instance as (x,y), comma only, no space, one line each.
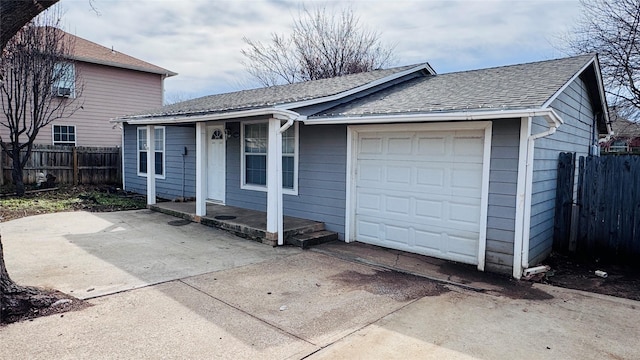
(420,192)
(399,145)
(370,145)
(431,146)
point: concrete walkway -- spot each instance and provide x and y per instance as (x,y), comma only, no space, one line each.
(176,292)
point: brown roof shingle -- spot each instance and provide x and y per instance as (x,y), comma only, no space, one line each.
(88,51)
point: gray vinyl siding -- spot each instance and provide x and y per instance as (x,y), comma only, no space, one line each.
(180,170)
(321,177)
(503,177)
(573,105)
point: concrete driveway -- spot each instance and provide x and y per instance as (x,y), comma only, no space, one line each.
(174,292)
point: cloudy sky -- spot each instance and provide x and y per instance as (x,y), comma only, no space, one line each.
(201,39)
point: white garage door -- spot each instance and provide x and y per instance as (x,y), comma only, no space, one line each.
(420,191)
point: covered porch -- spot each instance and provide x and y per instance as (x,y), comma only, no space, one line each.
(250,224)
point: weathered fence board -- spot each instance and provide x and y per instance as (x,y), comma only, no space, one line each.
(609,208)
(70,165)
(564,201)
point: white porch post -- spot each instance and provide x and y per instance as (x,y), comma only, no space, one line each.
(151,165)
(272,179)
(201,168)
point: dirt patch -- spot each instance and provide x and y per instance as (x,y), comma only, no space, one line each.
(622,281)
(507,286)
(65,303)
(398,286)
(98,198)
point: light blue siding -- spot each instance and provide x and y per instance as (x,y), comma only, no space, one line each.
(179,178)
(321,177)
(575,135)
(503,177)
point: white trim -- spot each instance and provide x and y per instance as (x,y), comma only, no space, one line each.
(263,188)
(484,197)
(53,135)
(122,163)
(272,176)
(568,83)
(222,126)
(547,113)
(352,144)
(521,190)
(281,114)
(350,205)
(164,157)
(358,89)
(151,164)
(201,169)
(603,96)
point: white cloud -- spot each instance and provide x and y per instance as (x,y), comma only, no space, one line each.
(202,39)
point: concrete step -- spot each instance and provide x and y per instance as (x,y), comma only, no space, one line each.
(312,238)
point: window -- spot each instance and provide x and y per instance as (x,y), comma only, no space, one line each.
(254,156)
(64,135)
(143,148)
(64,79)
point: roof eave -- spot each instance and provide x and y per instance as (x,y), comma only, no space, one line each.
(159,71)
(549,114)
(281,114)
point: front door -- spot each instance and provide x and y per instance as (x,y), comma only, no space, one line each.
(216,163)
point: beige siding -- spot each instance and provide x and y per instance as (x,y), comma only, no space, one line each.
(108,92)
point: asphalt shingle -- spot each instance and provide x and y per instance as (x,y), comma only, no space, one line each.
(506,88)
(271,96)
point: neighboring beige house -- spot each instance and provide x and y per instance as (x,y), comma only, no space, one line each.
(114,84)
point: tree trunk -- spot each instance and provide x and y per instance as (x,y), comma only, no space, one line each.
(14,14)
(16,300)
(16,173)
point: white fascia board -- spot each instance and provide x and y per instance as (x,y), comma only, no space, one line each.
(281,114)
(358,89)
(603,97)
(549,114)
(575,76)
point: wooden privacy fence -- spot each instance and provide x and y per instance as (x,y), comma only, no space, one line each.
(69,164)
(604,223)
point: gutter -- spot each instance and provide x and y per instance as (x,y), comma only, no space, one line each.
(281,114)
(551,116)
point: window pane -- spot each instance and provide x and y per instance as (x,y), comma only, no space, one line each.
(255,138)
(142,139)
(56,136)
(142,161)
(288,141)
(159,137)
(256,169)
(287,172)
(158,162)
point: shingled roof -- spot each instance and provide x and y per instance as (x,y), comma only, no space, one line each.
(273,95)
(524,86)
(90,52)
(414,89)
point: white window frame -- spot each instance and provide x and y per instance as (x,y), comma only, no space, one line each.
(67,80)
(163,151)
(61,142)
(243,170)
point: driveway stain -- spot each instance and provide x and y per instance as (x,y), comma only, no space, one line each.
(396,285)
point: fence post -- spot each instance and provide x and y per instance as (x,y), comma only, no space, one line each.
(75,166)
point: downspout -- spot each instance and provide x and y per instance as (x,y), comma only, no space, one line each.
(283,128)
(554,122)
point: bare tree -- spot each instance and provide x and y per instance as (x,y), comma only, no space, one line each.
(322,44)
(14,14)
(39,85)
(610,28)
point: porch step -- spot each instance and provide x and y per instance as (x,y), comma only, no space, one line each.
(312,238)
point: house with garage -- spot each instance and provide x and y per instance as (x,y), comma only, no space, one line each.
(107,83)
(459,166)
